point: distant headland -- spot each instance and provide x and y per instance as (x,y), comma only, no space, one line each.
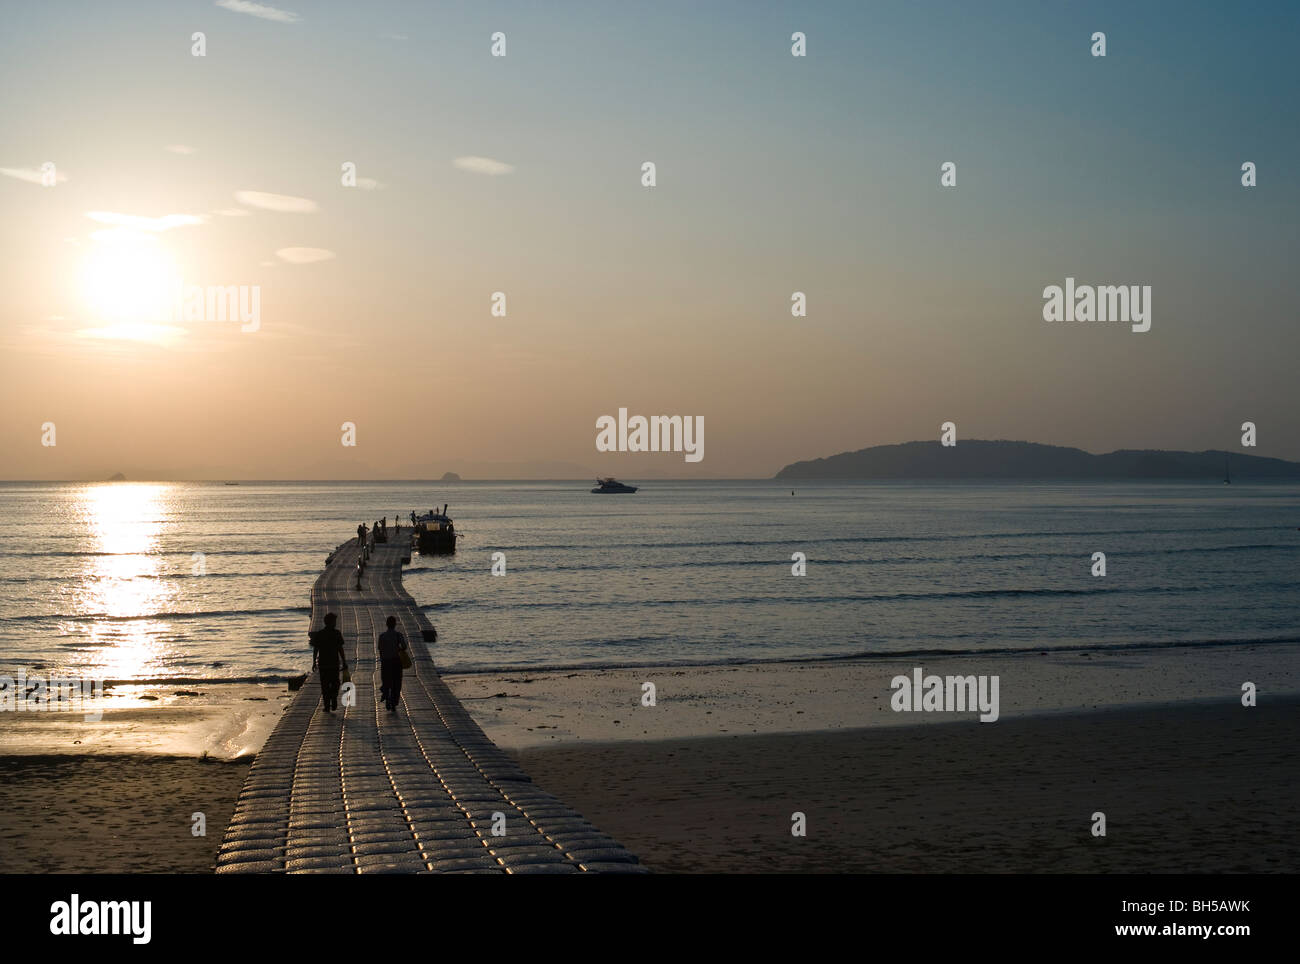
(450,477)
(979,459)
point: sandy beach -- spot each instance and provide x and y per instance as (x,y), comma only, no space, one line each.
(1185,788)
(1189,788)
(707,780)
(117,794)
(116,813)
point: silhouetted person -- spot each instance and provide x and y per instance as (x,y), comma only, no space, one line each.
(328,656)
(361,534)
(391,644)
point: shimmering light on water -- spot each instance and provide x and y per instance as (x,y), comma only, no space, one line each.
(100,579)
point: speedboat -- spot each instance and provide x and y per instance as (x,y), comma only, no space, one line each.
(611,487)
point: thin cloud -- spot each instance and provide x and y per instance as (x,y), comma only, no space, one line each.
(135,331)
(276,202)
(179,149)
(259,10)
(122,234)
(304,255)
(132,222)
(32,176)
(483,165)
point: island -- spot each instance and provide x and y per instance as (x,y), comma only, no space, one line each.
(983,459)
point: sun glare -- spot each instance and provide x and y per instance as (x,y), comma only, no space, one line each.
(129,285)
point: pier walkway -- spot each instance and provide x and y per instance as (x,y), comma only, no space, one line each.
(362,790)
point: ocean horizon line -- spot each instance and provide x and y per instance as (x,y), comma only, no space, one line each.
(778,483)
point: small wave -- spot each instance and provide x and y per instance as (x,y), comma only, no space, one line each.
(449,668)
(868,539)
(868,561)
(166,576)
(881,597)
(271,678)
(111,618)
(156,554)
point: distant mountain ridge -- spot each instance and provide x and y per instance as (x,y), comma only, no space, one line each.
(981,459)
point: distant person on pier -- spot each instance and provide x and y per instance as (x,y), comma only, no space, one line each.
(391,646)
(327,656)
(361,533)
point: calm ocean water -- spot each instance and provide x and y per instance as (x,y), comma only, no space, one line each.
(103,580)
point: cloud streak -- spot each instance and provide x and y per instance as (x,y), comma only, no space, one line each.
(283,203)
(483,165)
(132,222)
(30,175)
(259,10)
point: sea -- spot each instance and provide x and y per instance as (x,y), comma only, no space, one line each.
(174,583)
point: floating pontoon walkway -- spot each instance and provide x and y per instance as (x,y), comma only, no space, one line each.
(362,790)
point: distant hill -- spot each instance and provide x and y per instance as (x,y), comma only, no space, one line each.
(977,459)
(450,477)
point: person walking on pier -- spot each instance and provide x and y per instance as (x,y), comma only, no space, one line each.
(392,648)
(328,655)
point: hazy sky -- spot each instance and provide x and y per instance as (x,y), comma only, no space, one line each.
(775,174)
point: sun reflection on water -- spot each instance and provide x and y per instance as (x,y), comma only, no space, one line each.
(123,577)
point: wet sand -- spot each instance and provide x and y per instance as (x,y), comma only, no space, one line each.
(1185,788)
(218,720)
(542,707)
(114,813)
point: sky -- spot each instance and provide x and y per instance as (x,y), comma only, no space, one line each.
(523,174)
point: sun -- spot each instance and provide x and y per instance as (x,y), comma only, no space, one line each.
(129,284)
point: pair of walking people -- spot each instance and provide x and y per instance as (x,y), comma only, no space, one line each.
(328,657)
